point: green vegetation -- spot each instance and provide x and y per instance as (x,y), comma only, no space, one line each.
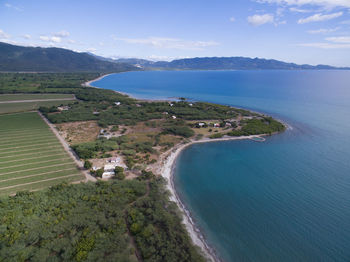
(217,135)
(16,97)
(94,222)
(63,83)
(6,108)
(31,157)
(256,126)
(119,173)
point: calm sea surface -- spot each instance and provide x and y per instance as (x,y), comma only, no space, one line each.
(287,199)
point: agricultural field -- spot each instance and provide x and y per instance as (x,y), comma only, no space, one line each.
(13,103)
(21,97)
(31,157)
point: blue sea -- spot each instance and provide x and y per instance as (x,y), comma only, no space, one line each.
(286,199)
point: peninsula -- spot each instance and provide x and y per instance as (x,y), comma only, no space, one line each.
(126,144)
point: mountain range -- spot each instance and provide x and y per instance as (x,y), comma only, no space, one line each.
(39,59)
(222,63)
(52,59)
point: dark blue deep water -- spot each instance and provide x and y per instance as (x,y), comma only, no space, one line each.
(287,199)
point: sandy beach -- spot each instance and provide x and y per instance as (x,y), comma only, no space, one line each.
(88,83)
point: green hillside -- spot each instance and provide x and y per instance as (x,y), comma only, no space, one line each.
(38,59)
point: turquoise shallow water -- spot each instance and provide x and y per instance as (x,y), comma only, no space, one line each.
(286,199)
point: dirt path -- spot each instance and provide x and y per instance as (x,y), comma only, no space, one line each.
(36,100)
(70,151)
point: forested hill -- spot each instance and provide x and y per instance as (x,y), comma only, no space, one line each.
(38,59)
(223,63)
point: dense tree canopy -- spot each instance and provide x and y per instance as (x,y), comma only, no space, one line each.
(94,222)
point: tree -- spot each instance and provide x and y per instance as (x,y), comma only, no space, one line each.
(87,164)
(99,172)
(119,173)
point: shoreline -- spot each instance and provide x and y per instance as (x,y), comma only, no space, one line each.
(167,172)
(166,169)
(88,83)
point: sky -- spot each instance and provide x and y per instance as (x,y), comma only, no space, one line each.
(300,31)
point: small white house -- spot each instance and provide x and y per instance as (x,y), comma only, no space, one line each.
(228,124)
(216,125)
(63,108)
(109,168)
(190,104)
(171,104)
(117,103)
(108,174)
(174,117)
(114,160)
(201,124)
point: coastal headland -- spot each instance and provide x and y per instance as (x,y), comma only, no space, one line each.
(120,138)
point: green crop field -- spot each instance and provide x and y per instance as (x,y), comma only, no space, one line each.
(12,97)
(31,157)
(13,103)
(29,106)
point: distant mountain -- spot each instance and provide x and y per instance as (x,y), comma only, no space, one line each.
(222,63)
(38,59)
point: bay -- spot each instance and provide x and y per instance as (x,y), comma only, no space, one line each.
(287,199)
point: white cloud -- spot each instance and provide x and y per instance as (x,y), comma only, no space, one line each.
(322,3)
(346,22)
(71,41)
(13,7)
(338,42)
(323,30)
(27,36)
(52,39)
(326,45)
(299,10)
(319,18)
(339,39)
(257,20)
(169,43)
(232,19)
(62,33)
(4,35)
(91,50)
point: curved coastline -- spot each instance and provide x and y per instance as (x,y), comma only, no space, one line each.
(167,171)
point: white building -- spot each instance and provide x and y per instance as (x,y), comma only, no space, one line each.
(108,174)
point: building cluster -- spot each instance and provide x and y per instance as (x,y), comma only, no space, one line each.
(109,167)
